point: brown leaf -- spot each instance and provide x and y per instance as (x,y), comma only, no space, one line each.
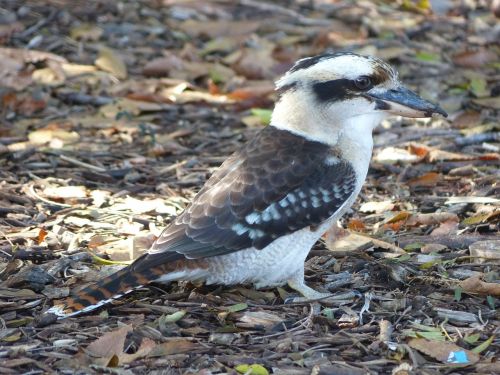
(214,29)
(447,227)
(356,225)
(110,345)
(176,346)
(428,179)
(144,349)
(256,62)
(431,219)
(439,155)
(474,59)
(441,350)
(476,285)
(467,119)
(41,235)
(162,66)
(252,90)
(432,248)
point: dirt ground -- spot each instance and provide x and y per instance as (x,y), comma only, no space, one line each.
(112,116)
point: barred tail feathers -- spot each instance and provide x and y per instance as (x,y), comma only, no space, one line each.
(126,280)
(102,292)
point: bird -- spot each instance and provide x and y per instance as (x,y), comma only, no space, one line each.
(259,214)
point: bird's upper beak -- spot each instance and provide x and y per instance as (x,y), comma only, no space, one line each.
(404,102)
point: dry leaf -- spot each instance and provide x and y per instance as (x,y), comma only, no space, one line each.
(431,219)
(447,227)
(176,346)
(441,350)
(476,285)
(475,59)
(432,248)
(392,155)
(111,62)
(356,225)
(43,136)
(162,66)
(41,235)
(377,207)
(353,242)
(439,155)
(108,347)
(65,192)
(86,32)
(428,179)
(218,28)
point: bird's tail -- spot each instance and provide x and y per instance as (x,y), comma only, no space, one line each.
(106,290)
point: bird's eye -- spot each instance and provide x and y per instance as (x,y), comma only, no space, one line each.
(363,82)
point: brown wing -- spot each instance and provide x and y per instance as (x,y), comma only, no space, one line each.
(278,183)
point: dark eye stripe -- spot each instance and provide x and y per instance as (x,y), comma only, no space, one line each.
(341,89)
(337,89)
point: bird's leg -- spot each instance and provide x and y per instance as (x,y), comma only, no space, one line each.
(296,282)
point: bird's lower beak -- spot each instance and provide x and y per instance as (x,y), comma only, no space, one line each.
(404,102)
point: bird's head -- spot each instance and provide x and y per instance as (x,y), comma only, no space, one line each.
(332,93)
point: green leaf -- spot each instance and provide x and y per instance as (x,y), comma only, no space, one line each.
(458,294)
(403,258)
(478,349)
(478,87)
(428,56)
(472,339)
(263,114)
(328,313)
(491,302)
(105,262)
(236,308)
(413,246)
(434,336)
(425,328)
(477,219)
(427,265)
(254,369)
(172,318)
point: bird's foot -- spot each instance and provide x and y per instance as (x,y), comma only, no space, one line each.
(308,293)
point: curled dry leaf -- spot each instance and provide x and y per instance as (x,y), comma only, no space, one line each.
(476,285)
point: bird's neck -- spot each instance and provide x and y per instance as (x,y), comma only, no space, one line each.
(298,116)
(352,136)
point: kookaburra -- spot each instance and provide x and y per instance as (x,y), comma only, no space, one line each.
(257,217)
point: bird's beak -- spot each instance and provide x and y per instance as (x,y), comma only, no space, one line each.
(404,102)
